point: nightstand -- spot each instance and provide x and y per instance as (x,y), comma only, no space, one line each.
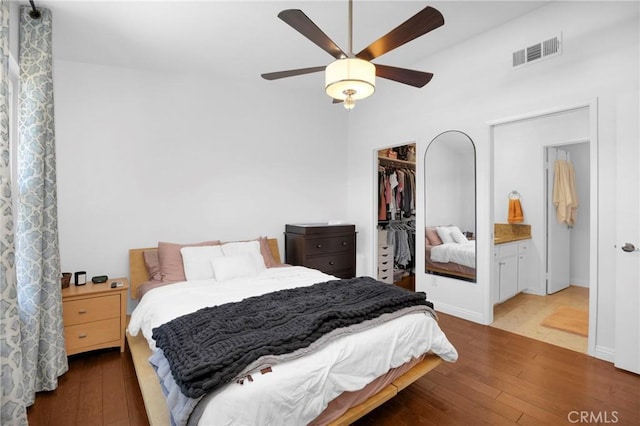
(94,316)
(328,248)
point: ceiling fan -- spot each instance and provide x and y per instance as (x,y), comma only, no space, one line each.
(352,76)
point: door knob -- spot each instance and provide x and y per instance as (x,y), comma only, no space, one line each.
(628,247)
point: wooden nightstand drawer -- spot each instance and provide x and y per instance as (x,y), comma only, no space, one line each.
(91,309)
(92,333)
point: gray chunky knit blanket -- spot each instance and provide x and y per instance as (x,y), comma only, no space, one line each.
(208,348)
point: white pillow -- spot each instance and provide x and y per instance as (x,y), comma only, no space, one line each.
(457,235)
(197,261)
(445,234)
(234,266)
(251,248)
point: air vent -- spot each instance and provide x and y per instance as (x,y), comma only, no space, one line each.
(540,50)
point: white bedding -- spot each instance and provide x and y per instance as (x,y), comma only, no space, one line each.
(296,391)
(463,254)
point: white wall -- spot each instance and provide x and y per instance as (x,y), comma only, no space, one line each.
(144,156)
(475,85)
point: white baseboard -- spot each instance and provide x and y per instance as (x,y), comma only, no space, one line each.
(605,354)
(580,283)
(459,312)
(536,292)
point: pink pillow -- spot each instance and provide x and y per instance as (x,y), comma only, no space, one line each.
(269,261)
(152,263)
(432,236)
(170,259)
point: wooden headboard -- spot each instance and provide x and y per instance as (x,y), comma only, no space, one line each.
(138,272)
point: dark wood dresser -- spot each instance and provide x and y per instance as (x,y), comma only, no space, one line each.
(328,248)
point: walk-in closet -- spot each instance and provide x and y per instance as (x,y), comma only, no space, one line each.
(397,215)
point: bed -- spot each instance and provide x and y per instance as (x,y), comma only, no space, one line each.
(448,252)
(287,388)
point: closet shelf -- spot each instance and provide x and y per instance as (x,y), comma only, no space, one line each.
(395,161)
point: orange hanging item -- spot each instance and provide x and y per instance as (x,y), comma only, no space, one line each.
(515,211)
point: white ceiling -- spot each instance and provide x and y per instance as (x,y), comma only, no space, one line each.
(242,39)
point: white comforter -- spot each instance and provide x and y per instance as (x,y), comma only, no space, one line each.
(296,391)
(463,254)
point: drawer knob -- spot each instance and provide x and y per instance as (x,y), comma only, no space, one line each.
(82,311)
(344,243)
(319,246)
(331,262)
(82,336)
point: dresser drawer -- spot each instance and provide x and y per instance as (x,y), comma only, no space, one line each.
(91,309)
(328,263)
(315,246)
(92,333)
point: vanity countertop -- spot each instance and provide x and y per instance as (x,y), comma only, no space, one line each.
(510,239)
(508,233)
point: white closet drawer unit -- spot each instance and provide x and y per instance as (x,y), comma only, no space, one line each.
(385,252)
(385,275)
(385,264)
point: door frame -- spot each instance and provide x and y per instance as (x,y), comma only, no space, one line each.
(592,105)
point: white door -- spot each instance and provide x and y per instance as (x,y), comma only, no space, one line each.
(558,234)
(627,323)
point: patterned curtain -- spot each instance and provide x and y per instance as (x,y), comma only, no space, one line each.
(12,404)
(37,253)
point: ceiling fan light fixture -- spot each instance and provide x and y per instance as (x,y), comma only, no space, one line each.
(351,78)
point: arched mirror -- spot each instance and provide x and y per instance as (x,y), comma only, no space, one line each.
(450,206)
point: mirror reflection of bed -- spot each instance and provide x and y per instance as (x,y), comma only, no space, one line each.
(450,209)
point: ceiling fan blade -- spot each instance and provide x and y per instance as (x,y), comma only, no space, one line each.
(336,101)
(305,26)
(291,73)
(426,20)
(403,75)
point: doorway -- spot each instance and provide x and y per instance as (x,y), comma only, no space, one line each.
(524,152)
(396,215)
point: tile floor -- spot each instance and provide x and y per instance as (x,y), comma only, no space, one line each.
(523,314)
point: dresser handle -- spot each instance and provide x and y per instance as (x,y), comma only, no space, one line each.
(83,311)
(331,262)
(319,246)
(344,243)
(82,336)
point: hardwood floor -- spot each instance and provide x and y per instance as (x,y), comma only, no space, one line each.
(500,378)
(100,388)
